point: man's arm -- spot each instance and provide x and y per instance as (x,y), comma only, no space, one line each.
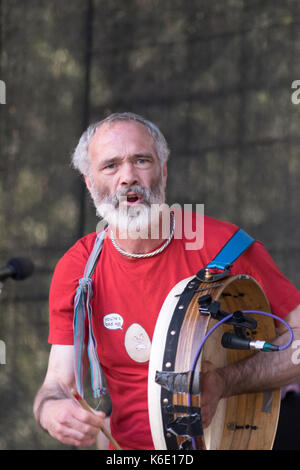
(57,411)
(262,371)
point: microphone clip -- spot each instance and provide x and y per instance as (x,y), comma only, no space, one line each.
(239,321)
(241,324)
(240,339)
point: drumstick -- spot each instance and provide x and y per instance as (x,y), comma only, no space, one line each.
(86,406)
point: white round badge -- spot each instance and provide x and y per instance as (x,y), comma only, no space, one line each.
(137,343)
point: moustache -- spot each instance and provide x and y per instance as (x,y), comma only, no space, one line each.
(122,193)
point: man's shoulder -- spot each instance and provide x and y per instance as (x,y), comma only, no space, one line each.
(210,223)
(78,253)
(205,232)
(217,226)
(84,244)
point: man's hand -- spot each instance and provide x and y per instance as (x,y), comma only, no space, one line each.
(55,407)
(68,422)
(212,390)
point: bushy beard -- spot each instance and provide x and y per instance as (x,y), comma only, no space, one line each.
(131,220)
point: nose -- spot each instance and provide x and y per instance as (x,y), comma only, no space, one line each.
(128,176)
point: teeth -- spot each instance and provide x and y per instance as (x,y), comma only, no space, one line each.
(132,198)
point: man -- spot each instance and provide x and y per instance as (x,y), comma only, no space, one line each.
(124,163)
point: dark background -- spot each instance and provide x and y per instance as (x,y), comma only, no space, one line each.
(214,75)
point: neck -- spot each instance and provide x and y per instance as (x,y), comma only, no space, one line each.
(140,246)
(147,241)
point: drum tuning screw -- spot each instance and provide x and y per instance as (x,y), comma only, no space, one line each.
(207,275)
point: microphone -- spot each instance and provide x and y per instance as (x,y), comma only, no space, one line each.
(232,341)
(17,268)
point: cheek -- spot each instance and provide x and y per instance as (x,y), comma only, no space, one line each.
(100,187)
(156,179)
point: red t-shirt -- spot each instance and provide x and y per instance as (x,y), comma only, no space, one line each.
(134,290)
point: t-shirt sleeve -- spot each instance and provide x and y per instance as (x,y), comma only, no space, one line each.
(63,287)
(282,295)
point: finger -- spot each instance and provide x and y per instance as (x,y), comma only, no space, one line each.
(72,437)
(74,432)
(79,401)
(73,418)
(91,418)
(86,422)
(206,418)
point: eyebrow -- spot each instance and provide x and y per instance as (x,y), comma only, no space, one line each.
(117,159)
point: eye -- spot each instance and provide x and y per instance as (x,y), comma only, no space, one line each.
(109,168)
(143,162)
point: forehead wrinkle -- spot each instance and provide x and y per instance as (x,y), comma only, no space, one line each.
(137,144)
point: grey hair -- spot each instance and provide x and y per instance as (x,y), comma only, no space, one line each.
(80,156)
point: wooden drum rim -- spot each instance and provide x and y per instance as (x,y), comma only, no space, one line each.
(239,292)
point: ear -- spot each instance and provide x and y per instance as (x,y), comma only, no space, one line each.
(87,182)
(165,175)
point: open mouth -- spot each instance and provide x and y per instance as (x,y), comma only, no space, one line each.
(133,198)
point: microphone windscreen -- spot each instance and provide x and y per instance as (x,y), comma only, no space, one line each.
(231,341)
(22,268)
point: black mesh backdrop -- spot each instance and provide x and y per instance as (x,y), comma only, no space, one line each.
(215,76)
